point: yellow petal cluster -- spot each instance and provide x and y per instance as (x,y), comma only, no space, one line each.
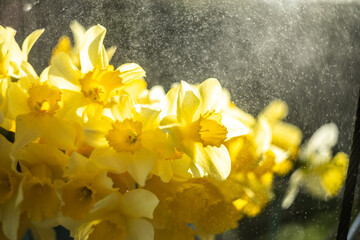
(321,173)
(100,154)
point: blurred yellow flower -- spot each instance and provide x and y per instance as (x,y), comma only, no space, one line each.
(43,167)
(119,216)
(86,184)
(321,174)
(9,192)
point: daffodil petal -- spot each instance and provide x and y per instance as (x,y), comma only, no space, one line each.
(44,76)
(277,110)
(63,74)
(210,95)
(156,93)
(95,132)
(263,135)
(180,167)
(163,169)
(43,233)
(5,147)
(187,104)
(149,118)
(10,217)
(57,132)
(16,101)
(234,127)
(111,51)
(293,188)
(74,103)
(29,76)
(43,154)
(169,103)
(78,163)
(138,203)
(130,72)
(321,142)
(83,231)
(26,131)
(159,142)
(92,52)
(213,160)
(30,41)
(108,159)
(78,32)
(139,164)
(135,87)
(124,109)
(139,229)
(2,118)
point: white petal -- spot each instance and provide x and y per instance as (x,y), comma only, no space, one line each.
(293,189)
(321,142)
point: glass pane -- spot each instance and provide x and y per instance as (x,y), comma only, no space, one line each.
(306,53)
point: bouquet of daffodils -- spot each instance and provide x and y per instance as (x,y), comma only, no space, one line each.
(98,153)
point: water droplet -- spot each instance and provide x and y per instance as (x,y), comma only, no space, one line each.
(27,7)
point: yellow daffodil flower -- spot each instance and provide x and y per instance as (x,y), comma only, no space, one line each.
(118,216)
(34,104)
(93,81)
(86,185)
(11,56)
(43,167)
(193,116)
(249,184)
(210,214)
(131,141)
(11,59)
(282,139)
(321,174)
(64,44)
(9,193)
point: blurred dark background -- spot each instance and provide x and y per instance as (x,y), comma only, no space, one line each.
(304,52)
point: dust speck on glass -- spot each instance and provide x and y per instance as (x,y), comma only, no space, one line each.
(183,119)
